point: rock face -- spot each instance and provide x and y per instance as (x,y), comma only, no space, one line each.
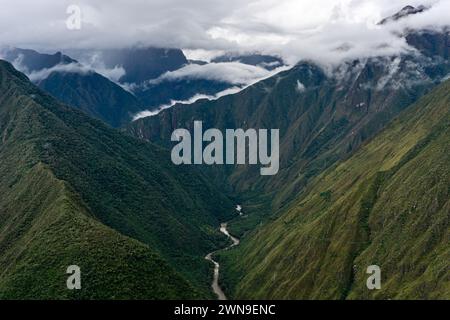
(406,11)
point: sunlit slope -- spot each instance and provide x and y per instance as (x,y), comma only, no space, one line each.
(387,205)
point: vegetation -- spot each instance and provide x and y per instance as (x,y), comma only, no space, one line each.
(75,191)
(389,207)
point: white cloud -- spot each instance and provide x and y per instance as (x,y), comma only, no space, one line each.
(151,113)
(202,54)
(300,87)
(233,90)
(229,72)
(327,31)
(392,70)
(74,67)
(113,74)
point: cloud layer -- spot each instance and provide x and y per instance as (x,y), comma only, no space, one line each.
(230,72)
(324,30)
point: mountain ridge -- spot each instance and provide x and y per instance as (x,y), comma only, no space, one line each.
(387,205)
(114,181)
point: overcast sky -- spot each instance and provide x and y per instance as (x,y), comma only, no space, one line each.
(294,29)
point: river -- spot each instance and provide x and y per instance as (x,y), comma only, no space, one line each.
(235,241)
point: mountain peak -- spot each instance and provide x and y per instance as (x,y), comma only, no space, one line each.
(406,11)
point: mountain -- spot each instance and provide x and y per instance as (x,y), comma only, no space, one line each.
(323,117)
(405,12)
(77,192)
(324,212)
(76,82)
(77,85)
(142,64)
(156,93)
(387,205)
(30,60)
(431,44)
(94,94)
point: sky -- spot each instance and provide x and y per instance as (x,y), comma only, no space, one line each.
(323,30)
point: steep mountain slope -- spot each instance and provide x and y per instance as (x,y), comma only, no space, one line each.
(78,86)
(74,190)
(322,117)
(387,205)
(94,94)
(154,95)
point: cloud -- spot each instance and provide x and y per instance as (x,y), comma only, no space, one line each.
(327,31)
(113,74)
(230,72)
(151,113)
(300,87)
(19,65)
(94,61)
(74,67)
(249,81)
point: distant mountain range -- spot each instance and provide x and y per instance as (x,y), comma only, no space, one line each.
(117,102)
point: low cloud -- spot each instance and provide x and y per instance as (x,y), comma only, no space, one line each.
(300,87)
(250,81)
(151,113)
(113,74)
(230,72)
(36,76)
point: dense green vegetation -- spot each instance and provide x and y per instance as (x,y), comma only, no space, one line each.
(309,230)
(355,188)
(75,191)
(319,126)
(386,205)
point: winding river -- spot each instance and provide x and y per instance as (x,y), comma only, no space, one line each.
(235,241)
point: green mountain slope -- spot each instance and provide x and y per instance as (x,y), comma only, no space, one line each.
(94,94)
(74,190)
(323,117)
(387,205)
